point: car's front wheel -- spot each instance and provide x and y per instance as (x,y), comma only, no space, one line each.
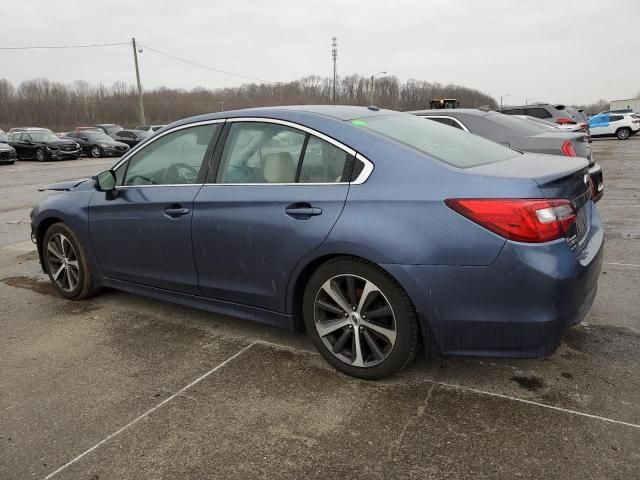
(360,319)
(67,264)
(96,151)
(623,133)
(40,155)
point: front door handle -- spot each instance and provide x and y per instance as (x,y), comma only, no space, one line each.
(176,212)
(302,211)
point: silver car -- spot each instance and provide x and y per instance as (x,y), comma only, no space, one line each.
(521,134)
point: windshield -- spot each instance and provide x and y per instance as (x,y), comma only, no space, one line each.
(111,129)
(141,133)
(3,137)
(43,137)
(449,145)
(515,124)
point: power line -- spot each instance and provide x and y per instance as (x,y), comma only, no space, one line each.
(39,47)
(208,67)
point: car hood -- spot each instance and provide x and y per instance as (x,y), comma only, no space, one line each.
(5,147)
(67,185)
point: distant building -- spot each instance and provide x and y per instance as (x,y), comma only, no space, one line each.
(632,103)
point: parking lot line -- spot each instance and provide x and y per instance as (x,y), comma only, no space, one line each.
(622,264)
(148,412)
(537,404)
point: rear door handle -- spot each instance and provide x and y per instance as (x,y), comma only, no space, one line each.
(176,212)
(302,212)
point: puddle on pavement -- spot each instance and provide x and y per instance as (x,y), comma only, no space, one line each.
(30,283)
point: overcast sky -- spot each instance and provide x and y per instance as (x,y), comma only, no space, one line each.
(561,51)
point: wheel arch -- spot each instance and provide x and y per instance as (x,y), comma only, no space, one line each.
(41,230)
(304,272)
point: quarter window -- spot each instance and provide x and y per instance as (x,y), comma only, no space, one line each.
(173,159)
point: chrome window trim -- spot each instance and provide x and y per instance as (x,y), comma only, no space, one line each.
(141,145)
(296,126)
(450,118)
(362,177)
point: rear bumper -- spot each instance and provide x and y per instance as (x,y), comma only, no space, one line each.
(520,306)
(595,173)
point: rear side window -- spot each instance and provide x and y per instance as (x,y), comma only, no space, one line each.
(538,113)
(615,118)
(449,145)
(445,121)
(514,111)
(257,152)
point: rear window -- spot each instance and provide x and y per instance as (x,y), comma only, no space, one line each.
(449,145)
(538,113)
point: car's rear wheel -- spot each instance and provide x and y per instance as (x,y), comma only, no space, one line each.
(67,263)
(40,155)
(96,151)
(623,133)
(360,319)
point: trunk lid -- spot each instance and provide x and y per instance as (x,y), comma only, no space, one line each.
(558,178)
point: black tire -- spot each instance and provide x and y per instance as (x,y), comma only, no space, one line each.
(403,313)
(85,283)
(623,133)
(96,151)
(41,156)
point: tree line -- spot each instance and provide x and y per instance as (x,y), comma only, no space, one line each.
(61,107)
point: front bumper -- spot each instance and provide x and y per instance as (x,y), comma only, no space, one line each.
(59,154)
(519,306)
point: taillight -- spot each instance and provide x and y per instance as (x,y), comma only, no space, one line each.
(565,121)
(522,220)
(568,149)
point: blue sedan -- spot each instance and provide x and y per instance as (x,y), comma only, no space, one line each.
(374,230)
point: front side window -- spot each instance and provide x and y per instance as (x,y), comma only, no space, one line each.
(173,159)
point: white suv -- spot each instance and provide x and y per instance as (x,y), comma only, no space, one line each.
(621,125)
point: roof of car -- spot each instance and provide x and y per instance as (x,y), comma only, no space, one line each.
(295,112)
(445,112)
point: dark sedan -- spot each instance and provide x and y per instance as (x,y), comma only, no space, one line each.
(98,144)
(130,137)
(374,230)
(521,134)
(7,152)
(43,145)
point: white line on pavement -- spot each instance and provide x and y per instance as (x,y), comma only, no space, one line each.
(537,404)
(148,412)
(622,264)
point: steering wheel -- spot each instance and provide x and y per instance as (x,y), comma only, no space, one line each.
(181,173)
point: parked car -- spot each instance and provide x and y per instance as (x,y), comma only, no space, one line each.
(130,137)
(622,125)
(7,152)
(373,229)
(579,116)
(567,127)
(520,134)
(98,144)
(24,129)
(109,128)
(150,128)
(546,111)
(620,110)
(41,145)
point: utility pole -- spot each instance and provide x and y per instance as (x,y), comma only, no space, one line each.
(503,96)
(371,95)
(140,103)
(371,99)
(334,55)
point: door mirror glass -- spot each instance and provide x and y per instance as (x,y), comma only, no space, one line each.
(84,138)
(105,181)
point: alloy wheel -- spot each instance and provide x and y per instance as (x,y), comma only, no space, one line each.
(96,152)
(623,134)
(355,320)
(40,155)
(62,262)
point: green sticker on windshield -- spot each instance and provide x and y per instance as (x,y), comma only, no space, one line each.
(359,123)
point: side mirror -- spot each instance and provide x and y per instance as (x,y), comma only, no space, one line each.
(84,138)
(105,181)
